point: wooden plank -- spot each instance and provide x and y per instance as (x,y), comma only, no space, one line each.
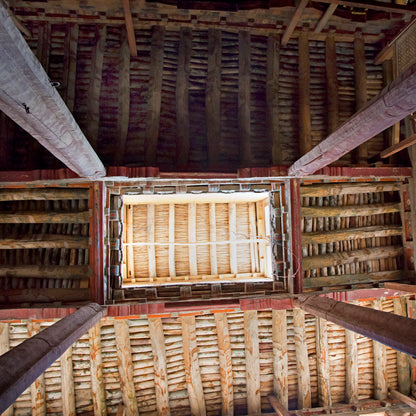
(325,18)
(67,384)
(331,80)
(261,234)
(96,370)
(232,221)
(294,21)
(37,389)
(44,45)
(192,373)
(328,189)
(123,117)
(53,272)
(16,296)
(244,58)
(254,252)
(193,269)
(305,128)
(351,210)
(325,237)
(323,363)
(348,257)
(94,89)
(70,63)
(400,286)
(272,99)
(380,363)
(374,5)
(213,97)
(125,367)
(404,144)
(43,194)
(182,98)
(130,241)
(155,94)
(252,355)
(213,239)
(4,347)
(157,340)
(280,359)
(403,398)
(351,367)
(226,369)
(277,406)
(129,28)
(44,241)
(172,267)
(151,252)
(33,217)
(302,362)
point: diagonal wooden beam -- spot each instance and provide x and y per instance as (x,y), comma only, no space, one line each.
(277,406)
(280,360)
(404,144)
(293,23)
(325,18)
(129,27)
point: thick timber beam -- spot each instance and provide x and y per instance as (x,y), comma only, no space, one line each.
(397,332)
(33,356)
(394,102)
(280,361)
(27,97)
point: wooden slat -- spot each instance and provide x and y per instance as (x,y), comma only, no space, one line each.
(155,94)
(348,188)
(323,363)
(374,5)
(305,128)
(351,210)
(226,369)
(244,57)
(43,194)
(280,359)
(34,217)
(151,252)
(213,239)
(351,234)
(348,257)
(44,45)
(123,98)
(157,340)
(403,398)
(254,253)
(192,373)
(182,98)
(302,362)
(130,239)
(70,63)
(4,347)
(94,90)
(213,97)
(293,23)
(404,144)
(325,17)
(232,221)
(42,272)
(67,384)
(125,367)
(331,81)
(351,367)
(261,233)
(272,98)
(96,369)
(129,28)
(277,406)
(251,336)
(16,296)
(44,241)
(172,267)
(192,239)
(37,389)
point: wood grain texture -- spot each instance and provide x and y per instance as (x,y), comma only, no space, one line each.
(67,384)
(331,81)
(213,239)
(4,347)
(232,221)
(351,367)
(129,27)
(323,363)
(34,241)
(280,358)
(351,210)
(294,21)
(70,64)
(193,265)
(36,217)
(327,189)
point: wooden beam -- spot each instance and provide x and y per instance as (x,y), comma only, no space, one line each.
(172,266)
(155,94)
(293,23)
(40,110)
(323,363)
(302,362)
(44,45)
(351,367)
(328,189)
(182,98)
(32,296)
(272,99)
(33,217)
(4,347)
(254,251)
(44,241)
(403,398)
(331,80)
(226,369)
(325,18)
(251,336)
(130,240)
(192,372)
(123,117)
(151,252)
(193,264)
(280,360)
(305,129)
(70,63)
(43,194)
(232,221)
(375,5)
(67,384)
(213,97)
(125,366)
(33,356)
(129,28)
(277,406)
(213,239)
(371,120)
(400,286)
(404,144)
(94,89)
(96,370)
(157,340)
(46,272)
(244,59)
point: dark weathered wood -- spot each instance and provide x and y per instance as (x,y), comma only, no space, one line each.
(44,45)
(401,286)
(367,123)
(42,272)
(404,144)
(403,398)
(331,81)
(325,17)
(18,296)
(7,128)
(277,406)
(293,23)
(34,217)
(213,97)
(305,129)
(40,110)
(4,347)
(70,63)
(327,189)
(40,194)
(33,356)
(182,98)
(155,95)
(375,5)
(44,241)
(129,28)
(244,57)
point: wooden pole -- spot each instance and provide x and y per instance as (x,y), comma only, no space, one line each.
(33,356)
(39,108)
(331,81)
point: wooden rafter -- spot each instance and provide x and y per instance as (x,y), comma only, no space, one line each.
(293,23)
(325,18)
(96,369)
(331,81)
(232,221)
(129,27)
(192,239)
(305,127)
(404,144)
(4,347)
(130,241)
(374,5)
(323,363)
(351,367)
(151,252)
(172,266)
(280,359)
(70,64)
(380,364)
(348,188)
(213,239)
(67,384)
(44,241)
(277,406)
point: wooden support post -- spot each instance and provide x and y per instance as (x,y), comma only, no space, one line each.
(272,98)
(48,272)
(182,98)
(4,347)
(331,81)
(70,63)
(244,58)
(151,252)
(213,239)
(129,28)
(302,362)
(351,367)
(44,241)
(130,240)
(67,384)
(213,97)
(252,362)
(157,340)
(193,264)
(232,221)
(324,19)
(125,367)
(155,94)
(226,369)
(335,189)
(323,363)
(280,361)
(293,23)
(192,373)
(305,129)
(172,266)
(33,356)
(254,251)
(277,406)
(40,110)
(82,217)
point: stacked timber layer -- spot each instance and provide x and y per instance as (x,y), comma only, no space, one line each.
(44,245)
(203,363)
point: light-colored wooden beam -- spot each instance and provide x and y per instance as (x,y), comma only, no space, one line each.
(323,363)
(380,363)
(4,347)
(130,240)
(192,372)
(403,398)
(351,367)
(404,144)
(325,18)
(192,239)
(129,27)
(232,222)
(151,252)
(331,81)
(70,63)
(226,369)
(305,128)
(261,234)
(293,23)
(44,241)
(48,272)
(172,267)
(157,340)
(67,384)
(280,359)
(277,406)
(125,367)
(254,252)
(213,239)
